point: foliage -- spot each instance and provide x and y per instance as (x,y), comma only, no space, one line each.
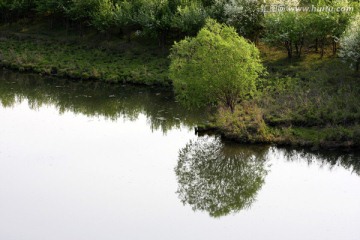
(244,15)
(288,29)
(104,18)
(51,7)
(350,43)
(215,66)
(81,10)
(11,10)
(156,17)
(190,18)
(217,178)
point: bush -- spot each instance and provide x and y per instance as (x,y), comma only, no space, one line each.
(216,66)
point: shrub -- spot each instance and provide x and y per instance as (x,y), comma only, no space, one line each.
(216,66)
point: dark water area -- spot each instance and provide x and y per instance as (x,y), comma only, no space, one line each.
(90,160)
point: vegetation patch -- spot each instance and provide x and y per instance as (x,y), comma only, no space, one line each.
(81,61)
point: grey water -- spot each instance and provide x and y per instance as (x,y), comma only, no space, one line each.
(83,160)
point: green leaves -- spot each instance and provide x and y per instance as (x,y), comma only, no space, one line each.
(350,42)
(104,18)
(217,66)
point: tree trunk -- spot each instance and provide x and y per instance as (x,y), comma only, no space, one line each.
(52,22)
(334,47)
(81,29)
(297,49)
(288,46)
(322,46)
(128,36)
(316,45)
(230,104)
(162,39)
(67,27)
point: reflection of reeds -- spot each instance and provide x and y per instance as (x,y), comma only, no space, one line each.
(327,159)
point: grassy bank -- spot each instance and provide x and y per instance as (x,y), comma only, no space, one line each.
(89,57)
(309,102)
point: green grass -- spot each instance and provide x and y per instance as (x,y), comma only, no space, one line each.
(308,101)
(309,91)
(107,60)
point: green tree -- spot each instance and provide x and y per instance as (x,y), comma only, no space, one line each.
(127,16)
(216,66)
(244,15)
(156,18)
(287,29)
(12,10)
(350,43)
(53,10)
(104,18)
(81,11)
(190,18)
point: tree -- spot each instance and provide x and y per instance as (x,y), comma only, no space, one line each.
(156,17)
(244,15)
(81,11)
(127,16)
(190,18)
(350,43)
(53,9)
(11,10)
(216,66)
(104,18)
(219,179)
(322,25)
(288,29)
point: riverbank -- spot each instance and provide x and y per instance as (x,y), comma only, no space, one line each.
(310,102)
(307,102)
(114,60)
(314,138)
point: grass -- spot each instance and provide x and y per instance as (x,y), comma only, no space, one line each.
(310,92)
(308,101)
(89,57)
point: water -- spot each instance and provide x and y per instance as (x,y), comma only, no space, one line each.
(96,161)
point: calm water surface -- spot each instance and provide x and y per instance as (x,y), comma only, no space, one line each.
(95,161)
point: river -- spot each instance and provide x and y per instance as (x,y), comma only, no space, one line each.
(82,160)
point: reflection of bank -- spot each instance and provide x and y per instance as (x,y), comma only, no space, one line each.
(98,99)
(349,160)
(220,179)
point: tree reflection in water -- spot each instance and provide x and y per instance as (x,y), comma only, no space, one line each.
(220,179)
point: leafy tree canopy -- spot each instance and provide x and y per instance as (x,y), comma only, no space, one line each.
(215,66)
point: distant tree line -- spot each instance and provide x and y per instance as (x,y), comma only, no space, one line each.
(164,19)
